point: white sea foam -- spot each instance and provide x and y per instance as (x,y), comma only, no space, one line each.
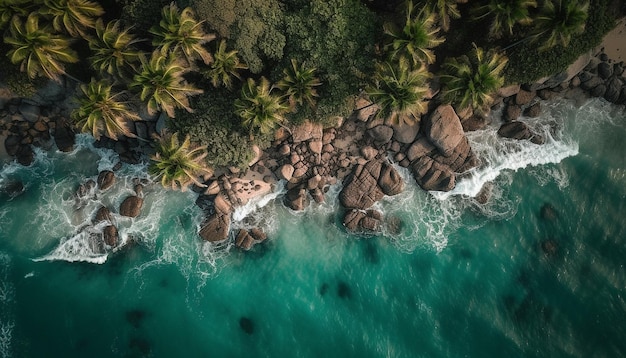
(7,295)
(253,205)
(499,154)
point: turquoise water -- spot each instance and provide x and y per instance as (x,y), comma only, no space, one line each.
(453,279)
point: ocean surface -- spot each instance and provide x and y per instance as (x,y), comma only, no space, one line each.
(538,271)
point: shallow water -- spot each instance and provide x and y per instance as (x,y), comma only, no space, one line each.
(536,272)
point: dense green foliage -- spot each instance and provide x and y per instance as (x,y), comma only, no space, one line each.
(527,63)
(176,164)
(102,112)
(214,124)
(399,90)
(471,81)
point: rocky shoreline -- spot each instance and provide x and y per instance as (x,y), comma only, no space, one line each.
(360,152)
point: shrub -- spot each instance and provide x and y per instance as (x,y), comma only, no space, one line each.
(215,125)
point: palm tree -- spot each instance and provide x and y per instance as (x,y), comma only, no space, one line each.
(113,50)
(38,51)
(258,108)
(179,32)
(445,9)
(472,81)
(299,84)
(559,20)
(161,84)
(72,16)
(505,14)
(416,39)
(224,67)
(178,165)
(100,112)
(399,91)
(10,8)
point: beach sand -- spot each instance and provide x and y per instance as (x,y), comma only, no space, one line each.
(614,43)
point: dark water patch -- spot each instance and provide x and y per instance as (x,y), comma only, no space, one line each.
(344,291)
(139,347)
(550,247)
(246,325)
(324,289)
(548,212)
(135,317)
(370,251)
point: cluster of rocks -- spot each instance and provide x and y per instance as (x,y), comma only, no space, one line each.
(130,207)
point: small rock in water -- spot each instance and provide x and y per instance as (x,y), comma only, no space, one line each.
(106,179)
(247,325)
(549,247)
(548,212)
(323,289)
(135,317)
(13,188)
(343,290)
(139,345)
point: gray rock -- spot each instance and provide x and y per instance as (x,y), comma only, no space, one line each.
(613,88)
(297,199)
(29,111)
(64,136)
(141,130)
(605,70)
(598,91)
(591,83)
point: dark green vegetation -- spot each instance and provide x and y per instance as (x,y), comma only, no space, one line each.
(228,73)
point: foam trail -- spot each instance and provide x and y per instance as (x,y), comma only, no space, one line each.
(7,295)
(84,246)
(499,154)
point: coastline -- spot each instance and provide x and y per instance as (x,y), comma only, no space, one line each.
(357,152)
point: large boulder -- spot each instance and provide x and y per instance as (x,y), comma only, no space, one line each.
(422,146)
(432,175)
(405,133)
(519,130)
(103,214)
(297,198)
(359,220)
(361,190)
(306,131)
(12,144)
(64,136)
(131,206)
(29,111)
(286,172)
(25,155)
(389,180)
(215,228)
(106,179)
(381,134)
(444,129)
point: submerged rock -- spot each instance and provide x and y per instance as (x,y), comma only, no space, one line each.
(246,325)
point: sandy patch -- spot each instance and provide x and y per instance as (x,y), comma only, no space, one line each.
(614,43)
